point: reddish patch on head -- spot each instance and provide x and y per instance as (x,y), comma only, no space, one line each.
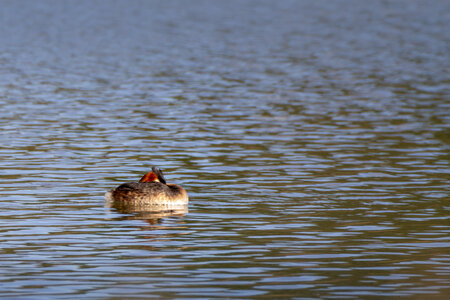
(149,177)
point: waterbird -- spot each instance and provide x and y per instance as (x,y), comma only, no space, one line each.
(151,190)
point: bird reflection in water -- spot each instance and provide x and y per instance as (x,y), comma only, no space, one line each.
(150,213)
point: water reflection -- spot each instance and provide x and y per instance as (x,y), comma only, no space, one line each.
(150,213)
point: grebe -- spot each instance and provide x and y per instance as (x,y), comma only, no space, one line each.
(151,190)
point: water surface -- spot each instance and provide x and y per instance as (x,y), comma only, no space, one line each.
(312,137)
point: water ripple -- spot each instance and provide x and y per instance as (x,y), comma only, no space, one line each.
(315,153)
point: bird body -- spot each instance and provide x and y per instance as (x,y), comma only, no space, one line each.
(152,190)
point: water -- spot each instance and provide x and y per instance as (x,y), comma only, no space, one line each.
(312,136)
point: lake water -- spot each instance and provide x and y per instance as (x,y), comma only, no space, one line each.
(313,138)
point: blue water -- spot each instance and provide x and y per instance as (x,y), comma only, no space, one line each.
(311,136)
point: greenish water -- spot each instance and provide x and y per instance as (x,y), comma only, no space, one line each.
(313,138)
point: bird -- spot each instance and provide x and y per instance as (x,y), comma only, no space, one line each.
(151,190)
